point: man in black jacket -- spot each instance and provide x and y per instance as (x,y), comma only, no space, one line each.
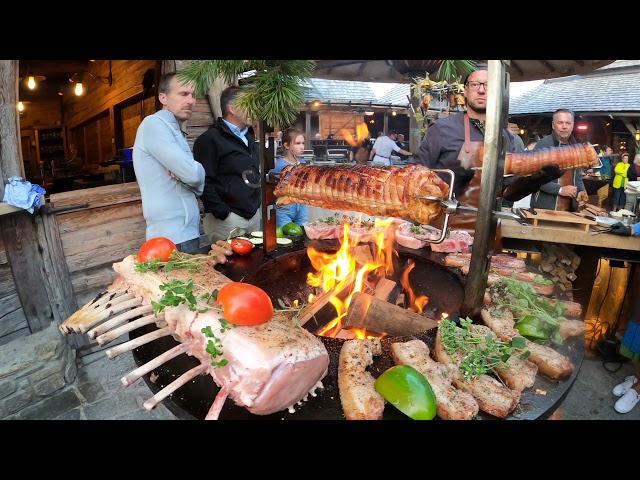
(229,154)
(567,192)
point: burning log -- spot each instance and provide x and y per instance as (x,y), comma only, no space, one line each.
(363,254)
(310,310)
(384,288)
(379,316)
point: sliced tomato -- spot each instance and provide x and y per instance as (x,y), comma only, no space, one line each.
(157,248)
(245,304)
(241,246)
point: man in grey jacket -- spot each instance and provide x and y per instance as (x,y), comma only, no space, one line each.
(563,193)
(168,176)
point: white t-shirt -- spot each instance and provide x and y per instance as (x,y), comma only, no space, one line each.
(383,147)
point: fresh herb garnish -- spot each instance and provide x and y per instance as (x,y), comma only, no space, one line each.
(214,347)
(176,292)
(530,308)
(415,229)
(207,297)
(178,260)
(479,353)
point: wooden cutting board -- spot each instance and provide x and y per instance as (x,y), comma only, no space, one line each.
(552,216)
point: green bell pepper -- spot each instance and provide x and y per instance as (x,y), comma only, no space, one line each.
(407,390)
(531,327)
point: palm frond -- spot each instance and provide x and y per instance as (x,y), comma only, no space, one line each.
(452,70)
(273,94)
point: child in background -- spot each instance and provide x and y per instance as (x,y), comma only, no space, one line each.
(292,148)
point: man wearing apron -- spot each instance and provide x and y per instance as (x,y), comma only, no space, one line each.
(455,143)
(565,193)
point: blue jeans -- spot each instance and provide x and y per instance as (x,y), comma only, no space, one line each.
(190,246)
(295,212)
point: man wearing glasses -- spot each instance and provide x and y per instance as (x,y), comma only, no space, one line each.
(454,143)
(568,191)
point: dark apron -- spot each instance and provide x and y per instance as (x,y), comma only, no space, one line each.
(469,156)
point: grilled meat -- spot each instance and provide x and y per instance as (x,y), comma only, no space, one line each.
(452,404)
(383,191)
(359,398)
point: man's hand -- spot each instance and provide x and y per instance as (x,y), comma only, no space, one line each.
(582,197)
(620,229)
(568,191)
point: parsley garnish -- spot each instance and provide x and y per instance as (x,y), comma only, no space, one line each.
(175,293)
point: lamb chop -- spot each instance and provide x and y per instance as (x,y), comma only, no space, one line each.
(269,367)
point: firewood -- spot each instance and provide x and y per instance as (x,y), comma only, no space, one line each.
(363,255)
(384,288)
(346,334)
(400,300)
(379,316)
(310,310)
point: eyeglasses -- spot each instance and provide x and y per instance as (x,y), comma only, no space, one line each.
(476,85)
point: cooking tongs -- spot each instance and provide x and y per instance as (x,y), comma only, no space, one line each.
(452,206)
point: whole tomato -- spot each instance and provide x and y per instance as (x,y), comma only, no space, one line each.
(241,246)
(159,248)
(245,304)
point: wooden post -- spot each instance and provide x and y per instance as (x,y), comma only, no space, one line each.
(385,123)
(491,182)
(267,162)
(10,149)
(34,254)
(307,130)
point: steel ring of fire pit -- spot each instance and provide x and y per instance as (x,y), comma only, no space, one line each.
(192,401)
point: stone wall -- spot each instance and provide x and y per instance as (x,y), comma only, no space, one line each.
(34,368)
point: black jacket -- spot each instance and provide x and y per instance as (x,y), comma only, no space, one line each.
(224,158)
(547,196)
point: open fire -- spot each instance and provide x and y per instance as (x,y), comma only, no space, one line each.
(361,272)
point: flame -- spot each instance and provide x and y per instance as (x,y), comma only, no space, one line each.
(416,304)
(362,132)
(330,269)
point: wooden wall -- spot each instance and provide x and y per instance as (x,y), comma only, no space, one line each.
(13,323)
(41,114)
(111,228)
(96,120)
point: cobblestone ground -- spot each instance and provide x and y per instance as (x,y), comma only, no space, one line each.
(97,394)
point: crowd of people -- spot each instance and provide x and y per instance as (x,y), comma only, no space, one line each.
(224,169)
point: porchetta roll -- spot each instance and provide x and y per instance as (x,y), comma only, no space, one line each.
(382,191)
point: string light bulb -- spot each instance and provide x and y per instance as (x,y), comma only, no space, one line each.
(637,135)
(20,107)
(78,89)
(31,82)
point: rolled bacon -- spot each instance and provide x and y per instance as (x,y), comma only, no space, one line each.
(383,191)
(581,155)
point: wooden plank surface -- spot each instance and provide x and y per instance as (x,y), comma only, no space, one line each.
(99,196)
(555,216)
(6,209)
(572,234)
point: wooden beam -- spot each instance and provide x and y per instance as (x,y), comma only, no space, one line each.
(10,149)
(629,125)
(23,252)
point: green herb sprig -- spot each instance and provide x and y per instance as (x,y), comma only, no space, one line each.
(177,261)
(176,292)
(214,344)
(522,299)
(480,353)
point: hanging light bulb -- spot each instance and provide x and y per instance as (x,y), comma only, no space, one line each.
(79,89)
(20,107)
(637,135)
(394,113)
(31,82)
